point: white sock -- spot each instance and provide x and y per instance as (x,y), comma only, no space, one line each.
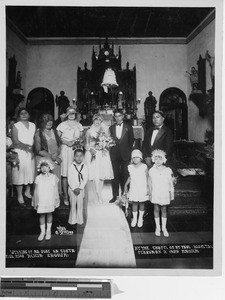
(140,218)
(157,223)
(164,230)
(48,232)
(42,234)
(49,226)
(134,220)
(157,230)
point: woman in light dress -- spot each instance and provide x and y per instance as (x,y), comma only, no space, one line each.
(98,161)
(23,139)
(69,131)
(47,144)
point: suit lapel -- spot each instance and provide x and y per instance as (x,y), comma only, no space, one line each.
(114,131)
(159,134)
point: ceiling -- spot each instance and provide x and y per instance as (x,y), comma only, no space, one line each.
(51,21)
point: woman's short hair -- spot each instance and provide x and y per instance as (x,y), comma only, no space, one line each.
(44,120)
(20,110)
(97,116)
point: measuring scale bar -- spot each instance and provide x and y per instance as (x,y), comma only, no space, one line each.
(58,288)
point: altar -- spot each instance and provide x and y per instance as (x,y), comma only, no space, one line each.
(106,86)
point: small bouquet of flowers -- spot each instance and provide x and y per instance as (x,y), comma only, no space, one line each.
(12,157)
(103,143)
(123,201)
(78,144)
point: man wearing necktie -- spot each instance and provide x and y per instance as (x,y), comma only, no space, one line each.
(158,137)
(120,154)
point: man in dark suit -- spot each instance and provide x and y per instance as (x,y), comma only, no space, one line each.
(120,154)
(158,137)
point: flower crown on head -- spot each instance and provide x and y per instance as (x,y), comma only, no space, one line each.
(46,162)
(159,152)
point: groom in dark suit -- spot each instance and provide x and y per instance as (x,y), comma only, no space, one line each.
(158,137)
(120,154)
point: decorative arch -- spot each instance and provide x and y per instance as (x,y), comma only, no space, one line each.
(173,102)
(40,100)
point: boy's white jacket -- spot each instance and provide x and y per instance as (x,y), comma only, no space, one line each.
(73,179)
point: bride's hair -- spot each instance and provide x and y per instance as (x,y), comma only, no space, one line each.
(97,116)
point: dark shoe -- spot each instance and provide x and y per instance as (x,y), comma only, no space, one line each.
(112,200)
(22,205)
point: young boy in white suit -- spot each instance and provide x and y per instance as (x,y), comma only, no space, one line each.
(77,179)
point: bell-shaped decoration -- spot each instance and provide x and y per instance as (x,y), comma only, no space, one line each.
(109,80)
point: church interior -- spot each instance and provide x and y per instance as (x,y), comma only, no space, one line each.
(137,59)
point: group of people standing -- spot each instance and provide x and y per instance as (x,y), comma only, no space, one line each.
(60,161)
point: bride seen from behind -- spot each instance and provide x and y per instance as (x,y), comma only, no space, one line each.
(97,158)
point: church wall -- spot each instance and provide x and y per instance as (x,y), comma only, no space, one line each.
(15,46)
(204,41)
(158,67)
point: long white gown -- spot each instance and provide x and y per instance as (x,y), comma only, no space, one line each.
(68,133)
(99,167)
(107,240)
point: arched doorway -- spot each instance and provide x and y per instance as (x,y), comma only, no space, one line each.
(40,100)
(173,102)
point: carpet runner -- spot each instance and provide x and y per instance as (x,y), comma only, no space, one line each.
(107,239)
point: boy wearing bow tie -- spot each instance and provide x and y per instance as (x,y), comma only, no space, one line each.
(77,179)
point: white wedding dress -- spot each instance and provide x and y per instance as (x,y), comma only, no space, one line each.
(107,240)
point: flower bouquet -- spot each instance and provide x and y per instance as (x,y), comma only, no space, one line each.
(12,158)
(123,201)
(103,143)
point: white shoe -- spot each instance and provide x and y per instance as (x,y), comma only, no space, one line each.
(140,222)
(66,202)
(41,236)
(165,232)
(134,222)
(157,232)
(48,236)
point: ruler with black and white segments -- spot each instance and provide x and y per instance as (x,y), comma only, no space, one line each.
(55,288)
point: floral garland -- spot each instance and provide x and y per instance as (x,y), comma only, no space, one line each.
(78,144)
(45,161)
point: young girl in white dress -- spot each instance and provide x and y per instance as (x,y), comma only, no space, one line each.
(46,196)
(161,185)
(69,131)
(98,161)
(138,192)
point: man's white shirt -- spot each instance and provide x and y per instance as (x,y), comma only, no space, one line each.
(119,129)
(154,134)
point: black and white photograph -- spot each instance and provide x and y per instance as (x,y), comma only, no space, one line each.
(110,137)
